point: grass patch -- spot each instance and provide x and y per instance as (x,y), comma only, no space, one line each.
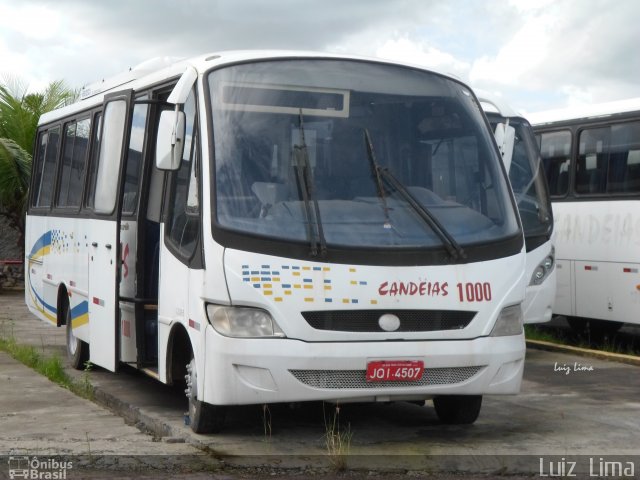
(533,333)
(266,422)
(337,441)
(49,366)
(606,343)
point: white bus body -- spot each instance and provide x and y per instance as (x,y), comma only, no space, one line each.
(592,159)
(320,229)
(522,160)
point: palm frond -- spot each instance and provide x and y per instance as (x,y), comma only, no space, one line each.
(15,171)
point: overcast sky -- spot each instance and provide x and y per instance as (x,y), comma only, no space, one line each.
(535,54)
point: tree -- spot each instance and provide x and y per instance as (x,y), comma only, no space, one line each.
(19,115)
(20,111)
(15,171)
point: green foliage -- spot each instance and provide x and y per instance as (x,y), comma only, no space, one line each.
(19,115)
(50,366)
(15,171)
(83,387)
(20,111)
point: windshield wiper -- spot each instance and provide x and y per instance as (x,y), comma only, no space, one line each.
(375,171)
(302,166)
(451,245)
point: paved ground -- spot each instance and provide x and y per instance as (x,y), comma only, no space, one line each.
(592,412)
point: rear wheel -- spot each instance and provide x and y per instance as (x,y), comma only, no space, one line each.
(77,350)
(458,409)
(204,417)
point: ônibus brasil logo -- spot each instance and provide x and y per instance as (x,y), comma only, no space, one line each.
(22,466)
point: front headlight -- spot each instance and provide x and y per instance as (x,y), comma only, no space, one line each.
(243,322)
(509,322)
(544,268)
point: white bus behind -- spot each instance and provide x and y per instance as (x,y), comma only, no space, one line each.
(521,157)
(591,156)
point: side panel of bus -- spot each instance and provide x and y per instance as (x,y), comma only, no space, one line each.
(599,253)
(593,167)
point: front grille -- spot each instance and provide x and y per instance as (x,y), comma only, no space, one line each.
(346,379)
(367,320)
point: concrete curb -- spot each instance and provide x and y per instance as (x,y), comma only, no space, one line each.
(146,422)
(585,352)
(132,414)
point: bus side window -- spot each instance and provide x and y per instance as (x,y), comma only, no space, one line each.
(109,157)
(555,152)
(74,157)
(93,164)
(593,161)
(38,162)
(624,159)
(45,176)
(134,158)
(183,222)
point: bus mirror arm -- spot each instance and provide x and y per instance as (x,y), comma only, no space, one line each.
(171,128)
(505,136)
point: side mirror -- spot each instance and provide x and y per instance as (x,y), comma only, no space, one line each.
(170,140)
(506,139)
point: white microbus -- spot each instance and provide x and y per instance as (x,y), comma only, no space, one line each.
(282,227)
(592,159)
(521,157)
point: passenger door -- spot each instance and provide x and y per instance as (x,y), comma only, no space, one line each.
(103,236)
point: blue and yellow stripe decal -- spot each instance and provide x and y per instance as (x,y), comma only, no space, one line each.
(79,313)
(41,247)
(50,312)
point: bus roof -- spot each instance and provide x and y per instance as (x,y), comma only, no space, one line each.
(577,112)
(158,69)
(492,104)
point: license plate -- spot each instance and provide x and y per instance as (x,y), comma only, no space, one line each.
(395,370)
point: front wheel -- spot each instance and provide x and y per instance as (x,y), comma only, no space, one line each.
(458,409)
(77,350)
(204,417)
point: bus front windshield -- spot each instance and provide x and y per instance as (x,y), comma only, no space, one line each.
(528,182)
(342,153)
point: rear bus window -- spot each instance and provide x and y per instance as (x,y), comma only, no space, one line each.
(46,167)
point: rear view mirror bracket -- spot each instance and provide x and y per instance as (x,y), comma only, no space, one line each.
(172,124)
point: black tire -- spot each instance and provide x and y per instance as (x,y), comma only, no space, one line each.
(204,417)
(597,328)
(458,409)
(77,350)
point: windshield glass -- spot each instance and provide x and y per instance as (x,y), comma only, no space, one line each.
(528,180)
(295,142)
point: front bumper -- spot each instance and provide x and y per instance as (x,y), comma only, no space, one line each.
(255,371)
